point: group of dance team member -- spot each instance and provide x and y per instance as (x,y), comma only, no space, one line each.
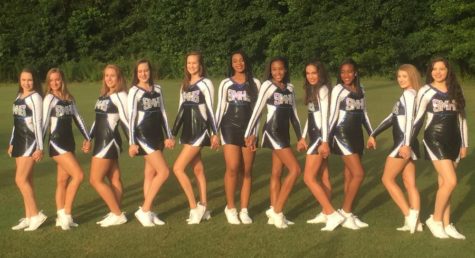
(334,124)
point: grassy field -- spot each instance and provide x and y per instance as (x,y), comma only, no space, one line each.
(216,238)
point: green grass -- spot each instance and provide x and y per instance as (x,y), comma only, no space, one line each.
(216,238)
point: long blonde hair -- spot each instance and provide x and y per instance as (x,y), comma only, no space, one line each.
(202,70)
(121,86)
(414,75)
(63,92)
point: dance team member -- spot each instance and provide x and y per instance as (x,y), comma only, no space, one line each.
(405,149)
(317,93)
(110,111)
(445,138)
(195,115)
(147,122)
(236,97)
(59,110)
(347,115)
(277,93)
(26,145)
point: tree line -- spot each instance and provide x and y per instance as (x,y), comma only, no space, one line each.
(82,36)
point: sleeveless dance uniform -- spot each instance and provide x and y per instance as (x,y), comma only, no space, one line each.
(347,114)
(401,119)
(317,121)
(27,133)
(147,119)
(446,129)
(281,108)
(109,110)
(234,111)
(58,114)
(195,114)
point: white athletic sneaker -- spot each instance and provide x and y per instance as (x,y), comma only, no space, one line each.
(114,220)
(196,214)
(71,221)
(320,218)
(62,221)
(279,219)
(359,223)
(349,220)
(411,220)
(156,220)
(333,220)
(244,216)
(207,215)
(24,223)
(270,219)
(104,218)
(436,228)
(405,227)
(453,233)
(36,221)
(231,216)
(288,222)
(145,218)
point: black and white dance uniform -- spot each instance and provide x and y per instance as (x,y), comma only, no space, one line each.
(147,119)
(401,119)
(27,134)
(347,115)
(317,120)
(58,114)
(446,129)
(234,111)
(195,114)
(110,111)
(281,108)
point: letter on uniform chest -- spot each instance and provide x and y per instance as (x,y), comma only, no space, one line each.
(354,104)
(149,103)
(439,105)
(282,99)
(102,104)
(237,95)
(63,110)
(192,96)
(19,110)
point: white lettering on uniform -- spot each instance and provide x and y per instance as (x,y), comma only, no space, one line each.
(150,103)
(102,104)
(281,99)
(354,104)
(63,110)
(443,105)
(238,95)
(193,96)
(19,110)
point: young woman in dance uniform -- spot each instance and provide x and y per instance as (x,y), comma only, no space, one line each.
(445,138)
(147,121)
(277,94)
(347,116)
(26,145)
(59,110)
(317,93)
(110,111)
(405,149)
(236,97)
(195,114)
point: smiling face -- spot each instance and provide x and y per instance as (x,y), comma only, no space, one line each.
(111,79)
(439,72)
(193,65)
(55,82)
(143,73)
(403,79)
(238,64)
(311,74)
(26,82)
(277,69)
(347,74)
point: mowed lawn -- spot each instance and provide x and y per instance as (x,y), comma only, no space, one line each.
(216,238)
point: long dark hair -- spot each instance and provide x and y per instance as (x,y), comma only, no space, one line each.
(453,86)
(36,81)
(135,78)
(251,90)
(311,91)
(268,72)
(356,81)
(186,81)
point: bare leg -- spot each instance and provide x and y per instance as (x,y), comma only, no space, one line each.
(156,161)
(23,179)
(325,179)
(248,161)
(68,163)
(409,180)
(312,167)
(149,174)
(115,180)
(356,172)
(62,180)
(232,157)
(99,170)
(277,166)
(447,183)
(392,168)
(288,159)
(186,155)
(199,171)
